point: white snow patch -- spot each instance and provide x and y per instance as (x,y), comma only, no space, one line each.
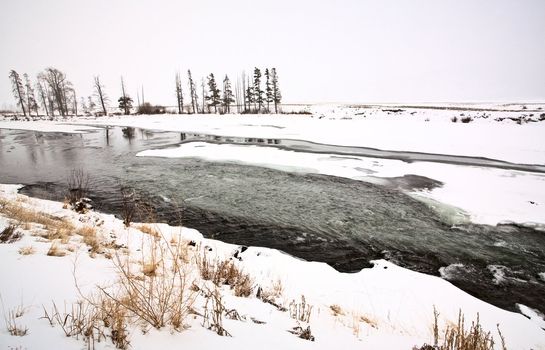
(46,126)
(534,315)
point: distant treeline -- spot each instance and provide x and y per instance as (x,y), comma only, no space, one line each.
(53,94)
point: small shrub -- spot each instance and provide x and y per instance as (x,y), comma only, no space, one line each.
(78,185)
(128,205)
(466,120)
(454,119)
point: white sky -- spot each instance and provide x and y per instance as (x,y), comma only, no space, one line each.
(324,50)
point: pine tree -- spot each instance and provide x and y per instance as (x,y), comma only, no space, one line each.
(258,93)
(277,96)
(214,97)
(18,89)
(31,98)
(125,102)
(268,89)
(227,94)
(83,105)
(91,104)
(179,94)
(250,98)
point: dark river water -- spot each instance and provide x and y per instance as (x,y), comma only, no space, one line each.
(345,223)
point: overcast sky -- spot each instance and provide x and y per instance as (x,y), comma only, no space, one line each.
(324,51)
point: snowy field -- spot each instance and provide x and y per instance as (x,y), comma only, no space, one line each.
(384,307)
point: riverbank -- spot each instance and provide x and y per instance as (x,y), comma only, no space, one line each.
(384,307)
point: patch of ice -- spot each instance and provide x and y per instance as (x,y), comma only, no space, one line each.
(451,271)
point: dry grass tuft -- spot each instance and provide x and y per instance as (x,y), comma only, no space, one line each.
(457,337)
(336,310)
(28,250)
(213,313)
(300,311)
(225,272)
(55,228)
(90,238)
(12,324)
(55,250)
(149,230)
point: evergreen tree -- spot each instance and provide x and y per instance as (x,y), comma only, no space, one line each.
(18,89)
(268,89)
(31,98)
(228,97)
(125,102)
(179,94)
(214,97)
(277,96)
(91,105)
(258,93)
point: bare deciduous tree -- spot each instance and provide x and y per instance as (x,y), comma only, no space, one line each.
(59,87)
(100,94)
(192,92)
(31,98)
(18,89)
(43,96)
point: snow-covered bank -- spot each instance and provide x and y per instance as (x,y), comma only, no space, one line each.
(488,195)
(385,307)
(493,134)
(427,131)
(46,126)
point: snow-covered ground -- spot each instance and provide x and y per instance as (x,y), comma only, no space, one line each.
(385,307)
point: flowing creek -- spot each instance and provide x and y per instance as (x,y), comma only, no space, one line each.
(345,223)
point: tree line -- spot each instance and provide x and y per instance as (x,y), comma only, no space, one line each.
(52,93)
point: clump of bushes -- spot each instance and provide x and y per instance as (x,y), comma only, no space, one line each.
(148,108)
(466,119)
